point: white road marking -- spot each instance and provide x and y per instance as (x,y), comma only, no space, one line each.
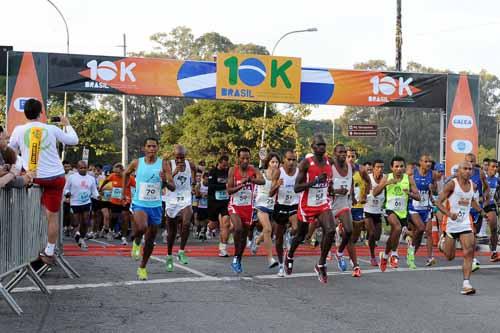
(190,270)
(100,242)
(207,278)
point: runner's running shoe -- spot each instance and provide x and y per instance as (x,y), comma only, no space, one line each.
(430,262)
(341,263)
(136,251)
(223,253)
(169,263)
(142,274)
(273,263)
(182,258)
(468,291)
(382,262)
(124,241)
(374,262)
(321,271)
(83,245)
(356,272)
(394,261)
(475,265)
(288,264)
(410,258)
(281,270)
(236,266)
(494,257)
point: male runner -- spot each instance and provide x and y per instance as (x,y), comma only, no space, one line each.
(399,188)
(80,187)
(120,202)
(343,187)
(457,222)
(150,171)
(178,204)
(218,200)
(482,193)
(491,208)
(201,191)
(285,211)
(420,210)
(374,209)
(314,181)
(241,182)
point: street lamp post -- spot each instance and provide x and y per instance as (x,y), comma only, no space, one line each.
(67,51)
(263,135)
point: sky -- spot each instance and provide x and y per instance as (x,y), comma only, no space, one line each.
(445,34)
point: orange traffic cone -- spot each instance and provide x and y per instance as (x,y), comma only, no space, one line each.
(435,231)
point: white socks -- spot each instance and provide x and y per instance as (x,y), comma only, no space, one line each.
(467,284)
(49,249)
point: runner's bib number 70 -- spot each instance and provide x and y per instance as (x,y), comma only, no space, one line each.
(150,192)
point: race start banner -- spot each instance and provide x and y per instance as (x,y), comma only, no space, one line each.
(244,77)
(249,78)
(252,77)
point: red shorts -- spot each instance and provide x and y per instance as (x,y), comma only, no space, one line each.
(244,212)
(309,214)
(52,191)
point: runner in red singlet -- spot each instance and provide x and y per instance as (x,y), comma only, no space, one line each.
(315,180)
(241,181)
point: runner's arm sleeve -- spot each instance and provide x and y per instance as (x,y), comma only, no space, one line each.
(67,186)
(68,138)
(93,189)
(14,141)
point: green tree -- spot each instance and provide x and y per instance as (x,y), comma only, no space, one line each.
(97,130)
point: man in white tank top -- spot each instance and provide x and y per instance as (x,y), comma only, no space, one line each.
(285,210)
(178,203)
(457,222)
(343,188)
(374,209)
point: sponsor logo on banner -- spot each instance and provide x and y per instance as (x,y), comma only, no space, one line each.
(107,71)
(258,78)
(386,88)
(19,103)
(462,121)
(462,146)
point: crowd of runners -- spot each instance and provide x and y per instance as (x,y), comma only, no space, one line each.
(325,198)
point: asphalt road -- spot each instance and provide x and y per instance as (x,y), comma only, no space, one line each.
(207,296)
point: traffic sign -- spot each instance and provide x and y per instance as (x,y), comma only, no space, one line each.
(364,127)
(363,133)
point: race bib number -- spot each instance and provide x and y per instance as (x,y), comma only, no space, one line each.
(462,215)
(203,203)
(116,193)
(396,204)
(221,195)
(424,200)
(339,183)
(182,198)
(84,196)
(150,192)
(243,198)
(106,195)
(317,196)
(287,198)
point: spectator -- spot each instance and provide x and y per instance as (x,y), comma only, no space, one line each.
(8,172)
(37,143)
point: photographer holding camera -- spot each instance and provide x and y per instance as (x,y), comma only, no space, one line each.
(37,143)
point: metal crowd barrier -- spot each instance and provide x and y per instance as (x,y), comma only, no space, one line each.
(23,234)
